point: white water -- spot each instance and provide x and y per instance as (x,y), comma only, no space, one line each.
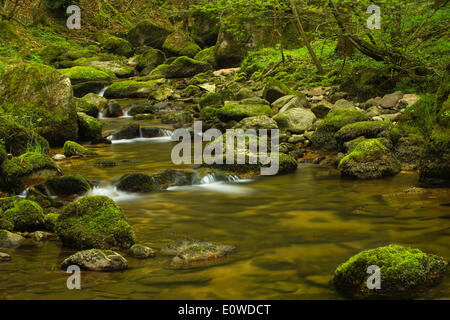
(102,92)
(113,193)
(166,137)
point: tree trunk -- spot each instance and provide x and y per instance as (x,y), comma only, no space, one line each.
(305,38)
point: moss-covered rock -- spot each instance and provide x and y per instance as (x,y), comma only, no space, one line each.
(204,28)
(257,123)
(149,60)
(87,74)
(142,117)
(68,185)
(96,260)
(208,113)
(211,99)
(141,108)
(275,89)
(25,216)
(140,251)
(137,182)
(6,224)
(17,139)
(43,95)
(98,101)
(17,171)
(117,67)
(10,240)
(296,120)
(367,129)
(86,107)
(94,222)
(182,67)
(405,273)
(113,110)
(50,221)
(132,89)
(324,137)
(371,159)
(179,118)
(73,149)
(116,45)
(237,112)
(207,55)
(89,128)
(180,44)
(152,33)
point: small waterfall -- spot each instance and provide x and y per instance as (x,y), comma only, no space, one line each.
(102,92)
(166,133)
(211,178)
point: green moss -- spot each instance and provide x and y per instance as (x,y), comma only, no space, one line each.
(117,46)
(150,32)
(6,224)
(25,216)
(211,99)
(434,167)
(86,73)
(94,222)
(180,44)
(201,78)
(367,129)
(72,149)
(68,185)
(177,117)
(89,128)
(85,106)
(404,272)
(3,154)
(137,182)
(191,91)
(50,221)
(181,67)
(207,55)
(238,112)
(150,60)
(132,89)
(208,113)
(144,117)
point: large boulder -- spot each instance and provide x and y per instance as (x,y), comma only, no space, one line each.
(207,55)
(180,44)
(275,89)
(149,60)
(68,185)
(17,139)
(89,128)
(132,89)
(85,106)
(405,273)
(137,182)
(96,260)
(182,67)
(296,120)
(324,138)
(371,159)
(151,33)
(98,101)
(87,79)
(73,149)
(367,129)
(204,28)
(116,45)
(288,102)
(42,95)
(237,112)
(94,222)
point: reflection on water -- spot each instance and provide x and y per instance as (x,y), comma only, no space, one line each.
(290,231)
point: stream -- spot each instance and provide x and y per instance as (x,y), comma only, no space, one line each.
(290,231)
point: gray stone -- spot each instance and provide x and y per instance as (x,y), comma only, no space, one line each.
(96,260)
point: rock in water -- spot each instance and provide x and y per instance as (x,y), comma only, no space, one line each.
(141,252)
(94,222)
(4,257)
(189,252)
(405,273)
(44,95)
(96,260)
(10,240)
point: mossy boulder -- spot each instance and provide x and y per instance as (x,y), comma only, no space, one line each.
(83,74)
(73,149)
(98,101)
(94,222)
(180,44)
(207,55)
(50,221)
(89,128)
(117,68)
(152,33)
(116,45)
(237,112)
(30,166)
(25,216)
(296,120)
(96,260)
(140,251)
(211,99)
(141,108)
(323,138)
(113,110)
(182,67)
(208,113)
(43,95)
(275,89)
(85,106)
(149,60)
(6,224)
(130,131)
(132,89)
(17,139)
(405,273)
(137,182)
(371,159)
(203,27)
(68,185)
(367,129)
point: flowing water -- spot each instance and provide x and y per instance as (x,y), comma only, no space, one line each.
(290,231)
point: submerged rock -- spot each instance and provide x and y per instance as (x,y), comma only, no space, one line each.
(141,252)
(96,260)
(190,252)
(405,273)
(94,222)
(370,160)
